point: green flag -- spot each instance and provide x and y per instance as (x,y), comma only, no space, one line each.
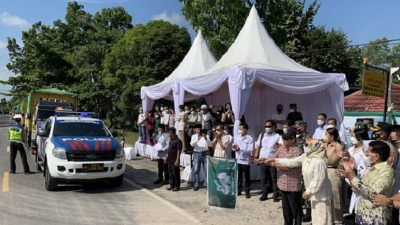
(221,182)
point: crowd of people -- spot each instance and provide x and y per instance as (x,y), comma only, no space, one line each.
(318,171)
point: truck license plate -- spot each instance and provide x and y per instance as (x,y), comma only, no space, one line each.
(93,167)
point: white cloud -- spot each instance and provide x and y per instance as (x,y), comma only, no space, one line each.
(5,73)
(11,20)
(174,18)
(3,44)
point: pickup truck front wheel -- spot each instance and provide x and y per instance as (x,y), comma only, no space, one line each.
(50,182)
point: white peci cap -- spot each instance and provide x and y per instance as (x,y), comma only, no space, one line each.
(17,116)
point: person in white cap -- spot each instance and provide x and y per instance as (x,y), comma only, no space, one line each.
(15,135)
(206,119)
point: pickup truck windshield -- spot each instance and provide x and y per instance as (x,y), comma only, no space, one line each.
(86,129)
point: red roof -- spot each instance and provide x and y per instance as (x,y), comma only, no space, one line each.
(357,102)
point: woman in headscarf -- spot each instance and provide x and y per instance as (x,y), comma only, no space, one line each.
(317,185)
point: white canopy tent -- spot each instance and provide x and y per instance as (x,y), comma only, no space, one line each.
(255,75)
(197,61)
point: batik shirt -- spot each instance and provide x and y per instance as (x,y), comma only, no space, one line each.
(378,179)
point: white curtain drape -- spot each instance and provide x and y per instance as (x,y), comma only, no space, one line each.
(255,93)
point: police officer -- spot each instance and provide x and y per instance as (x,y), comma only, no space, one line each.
(15,137)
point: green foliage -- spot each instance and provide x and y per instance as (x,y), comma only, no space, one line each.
(382,54)
(68,55)
(145,55)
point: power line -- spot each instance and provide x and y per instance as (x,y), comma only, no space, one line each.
(378,42)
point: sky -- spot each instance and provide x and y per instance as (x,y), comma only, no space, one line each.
(361,20)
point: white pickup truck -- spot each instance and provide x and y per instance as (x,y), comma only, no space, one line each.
(75,149)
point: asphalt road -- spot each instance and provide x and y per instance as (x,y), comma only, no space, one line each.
(24,200)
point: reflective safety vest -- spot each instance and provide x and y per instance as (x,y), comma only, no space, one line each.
(15,133)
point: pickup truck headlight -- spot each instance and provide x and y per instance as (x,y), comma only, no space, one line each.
(59,153)
(120,153)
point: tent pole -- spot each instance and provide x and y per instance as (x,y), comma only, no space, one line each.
(386,96)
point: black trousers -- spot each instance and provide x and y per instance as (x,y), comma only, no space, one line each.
(14,148)
(162,170)
(175,175)
(244,170)
(268,176)
(292,209)
(395,216)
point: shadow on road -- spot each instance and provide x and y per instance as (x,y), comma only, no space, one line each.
(142,177)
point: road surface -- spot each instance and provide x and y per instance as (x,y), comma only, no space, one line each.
(24,200)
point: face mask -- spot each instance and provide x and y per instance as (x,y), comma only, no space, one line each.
(156,116)
(226,132)
(268,130)
(291,110)
(285,130)
(279,110)
(394,142)
(320,122)
(306,149)
(140,111)
(193,112)
(353,140)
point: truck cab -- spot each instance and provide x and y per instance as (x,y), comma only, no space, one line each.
(75,149)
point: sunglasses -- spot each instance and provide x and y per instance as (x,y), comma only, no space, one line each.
(268,126)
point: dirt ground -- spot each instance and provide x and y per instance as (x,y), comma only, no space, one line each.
(143,171)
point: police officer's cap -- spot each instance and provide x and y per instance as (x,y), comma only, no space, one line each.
(382,126)
(300,122)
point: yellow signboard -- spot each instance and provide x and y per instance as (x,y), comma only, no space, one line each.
(374,82)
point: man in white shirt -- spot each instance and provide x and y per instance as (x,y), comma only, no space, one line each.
(165,117)
(182,119)
(279,117)
(200,143)
(265,146)
(243,147)
(319,132)
(161,148)
(142,125)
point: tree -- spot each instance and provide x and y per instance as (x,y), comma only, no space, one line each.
(68,55)
(145,55)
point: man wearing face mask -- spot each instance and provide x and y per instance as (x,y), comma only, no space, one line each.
(200,143)
(221,144)
(206,119)
(142,125)
(279,117)
(243,147)
(293,115)
(181,119)
(395,141)
(320,130)
(265,148)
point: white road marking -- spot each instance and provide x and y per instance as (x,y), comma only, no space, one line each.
(167,203)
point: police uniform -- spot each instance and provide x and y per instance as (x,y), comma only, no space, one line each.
(15,137)
(333,163)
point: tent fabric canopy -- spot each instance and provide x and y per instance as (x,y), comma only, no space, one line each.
(255,75)
(196,62)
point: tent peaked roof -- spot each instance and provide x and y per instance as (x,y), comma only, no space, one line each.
(254,48)
(197,61)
